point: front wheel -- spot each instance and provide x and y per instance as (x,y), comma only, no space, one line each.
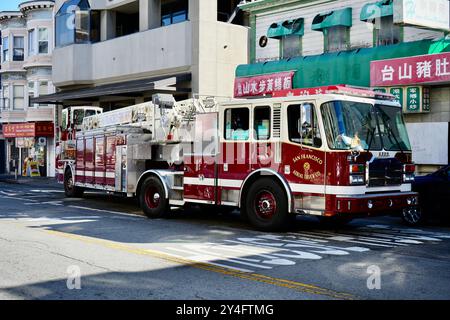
(266,206)
(413,216)
(152,198)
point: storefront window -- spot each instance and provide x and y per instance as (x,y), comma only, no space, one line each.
(5,48)
(19,97)
(72,23)
(336,39)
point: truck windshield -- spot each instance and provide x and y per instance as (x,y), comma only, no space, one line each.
(359,126)
(392,128)
(350,125)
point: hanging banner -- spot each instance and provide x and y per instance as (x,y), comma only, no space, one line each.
(23,130)
(426,69)
(263,84)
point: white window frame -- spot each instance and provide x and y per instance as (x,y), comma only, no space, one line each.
(46,40)
(32,42)
(5,57)
(22,48)
(20,97)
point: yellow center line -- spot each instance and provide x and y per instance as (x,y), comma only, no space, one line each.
(297,286)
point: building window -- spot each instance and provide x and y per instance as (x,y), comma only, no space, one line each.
(43,41)
(237,124)
(43,90)
(174,12)
(30,92)
(18,48)
(31,42)
(386,32)
(5,99)
(291,46)
(336,39)
(18,97)
(5,48)
(72,23)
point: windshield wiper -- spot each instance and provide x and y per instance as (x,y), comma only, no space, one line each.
(372,135)
(391,134)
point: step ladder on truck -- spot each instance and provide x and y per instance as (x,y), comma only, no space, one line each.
(332,152)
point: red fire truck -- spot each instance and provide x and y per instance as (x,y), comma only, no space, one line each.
(334,152)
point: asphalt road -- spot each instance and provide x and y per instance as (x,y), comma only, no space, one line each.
(100,247)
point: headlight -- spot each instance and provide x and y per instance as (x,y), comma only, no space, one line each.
(357,179)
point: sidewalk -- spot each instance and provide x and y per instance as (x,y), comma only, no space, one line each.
(6,178)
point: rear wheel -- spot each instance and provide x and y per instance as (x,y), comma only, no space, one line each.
(152,198)
(266,206)
(70,190)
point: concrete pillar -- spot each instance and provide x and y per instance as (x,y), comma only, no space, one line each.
(149,14)
(108,25)
(203,16)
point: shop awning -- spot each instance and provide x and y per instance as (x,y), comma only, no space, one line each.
(286,28)
(348,67)
(131,89)
(378,9)
(342,17)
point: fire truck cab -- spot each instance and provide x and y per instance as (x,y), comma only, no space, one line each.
(332,152)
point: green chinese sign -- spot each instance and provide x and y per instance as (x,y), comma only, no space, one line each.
(398,93)
(413,99)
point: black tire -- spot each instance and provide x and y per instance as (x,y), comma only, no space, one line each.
(70,190)
(413,216)
(152,198)
(266,206)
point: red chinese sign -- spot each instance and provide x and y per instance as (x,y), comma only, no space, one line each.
(262,85)
(23,130)
(432,68)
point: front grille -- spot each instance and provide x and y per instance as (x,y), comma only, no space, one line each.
(385,172)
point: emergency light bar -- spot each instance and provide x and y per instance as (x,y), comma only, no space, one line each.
(337,89)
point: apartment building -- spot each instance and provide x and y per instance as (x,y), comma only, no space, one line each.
(26,72)
(113,53)
(395,46)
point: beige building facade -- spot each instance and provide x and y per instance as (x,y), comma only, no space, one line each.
(26,73)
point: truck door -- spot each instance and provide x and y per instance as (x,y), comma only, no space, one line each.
(200,178)
(262,149)
(303,155)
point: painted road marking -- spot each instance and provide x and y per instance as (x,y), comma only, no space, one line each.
(298,286)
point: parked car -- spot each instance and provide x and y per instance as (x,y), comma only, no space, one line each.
(434,196)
